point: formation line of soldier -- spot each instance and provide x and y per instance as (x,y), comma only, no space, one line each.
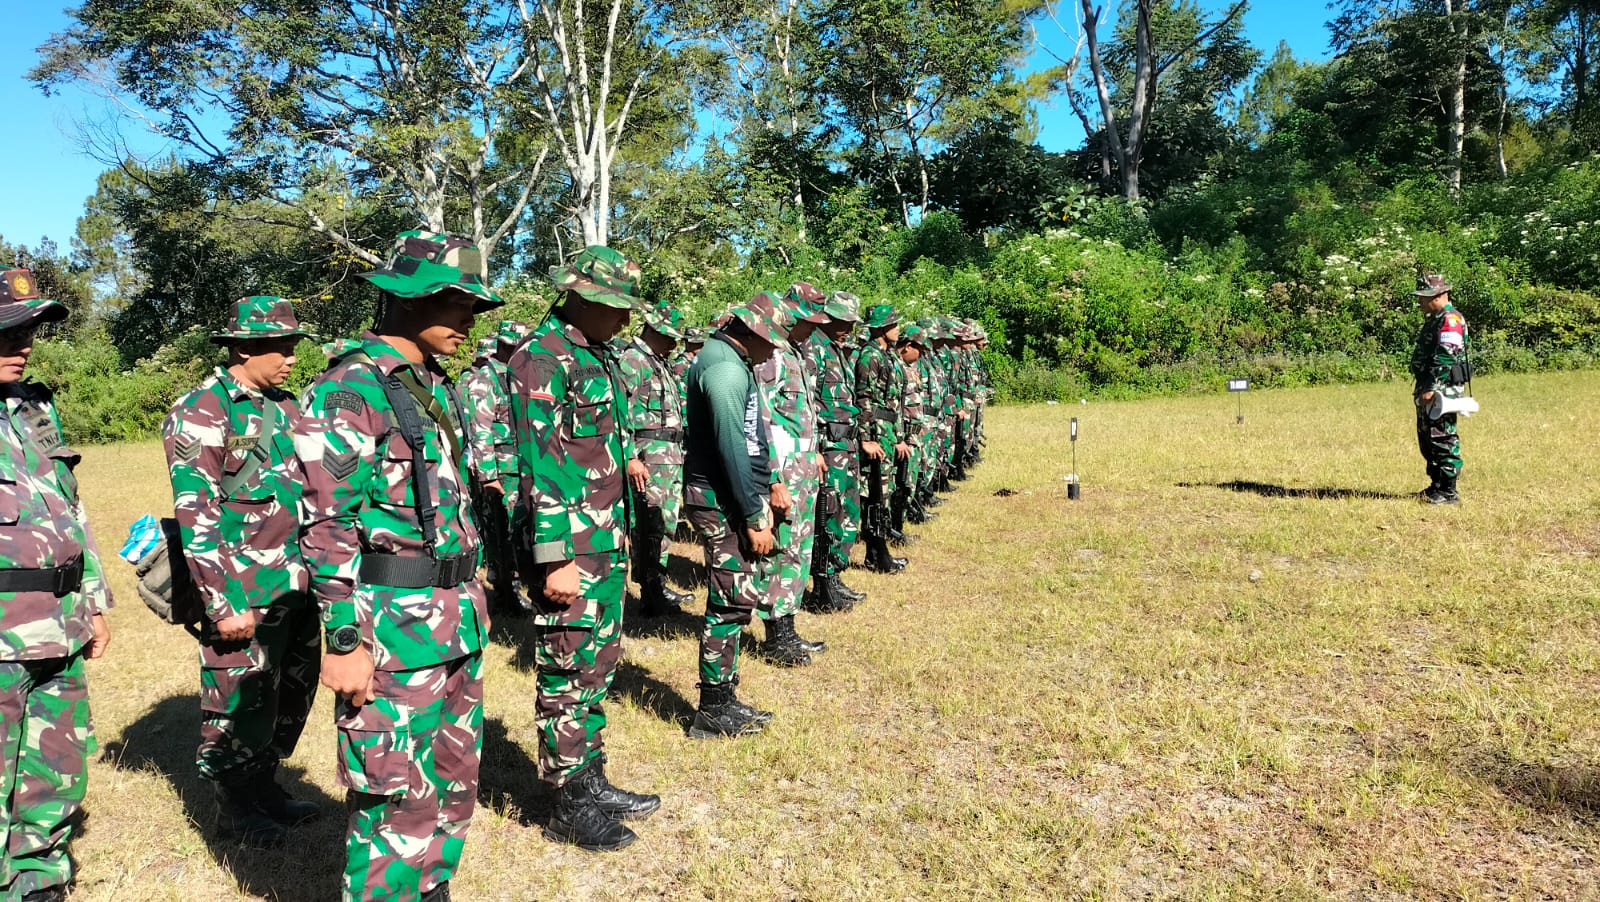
(339,538)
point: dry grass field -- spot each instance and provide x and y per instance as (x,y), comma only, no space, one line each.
(1246,664)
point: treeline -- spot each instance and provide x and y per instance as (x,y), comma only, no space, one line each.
(1229,213)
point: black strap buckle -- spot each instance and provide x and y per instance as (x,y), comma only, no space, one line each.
(68,577)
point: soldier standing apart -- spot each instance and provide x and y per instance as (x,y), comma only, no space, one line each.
(878,423)
(236,493)
(573,447)
(788,394)
(485,388)
(1439,367)
(655,411)
(52,599)
(730,497)
(394,554)
(839,501)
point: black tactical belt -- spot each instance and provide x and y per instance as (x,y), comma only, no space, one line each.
(58,581)
(839,430)
(660,435)
(884,413)
(417,571)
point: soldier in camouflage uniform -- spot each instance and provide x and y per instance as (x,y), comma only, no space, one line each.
(878,423)
(573,445)
(485,390)
(732,496)
(394,554)
(788,391)
(236,493)
(839,501)
(52,604)
(655,414)
(1439,367)
(693,340)
(920,408)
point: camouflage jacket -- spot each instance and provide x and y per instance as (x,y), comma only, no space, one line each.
(359,498)
(1441,344)
(835,389)
(918,403)
(570,417)
(877,401)
(42,525)
(655,401)
(485,390)
(242,550)
(792,412)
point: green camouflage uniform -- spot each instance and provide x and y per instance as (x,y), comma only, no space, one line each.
(570,416)
(485,389)
(727,478)
(46,734)
(410,758)
(840,521)
(655,417)
(788,394)
(243,553)
(1441,345)
(878,420)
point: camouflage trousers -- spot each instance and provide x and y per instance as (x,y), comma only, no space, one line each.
(577,656)
(47,737)
(255,695)
(410,762)
(843,475)
(876,485)
(1440,445)
(490,507)
(793,538)
(738,580)
(663,494)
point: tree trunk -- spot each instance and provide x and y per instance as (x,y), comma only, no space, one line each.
(1458,97)
(1144,95)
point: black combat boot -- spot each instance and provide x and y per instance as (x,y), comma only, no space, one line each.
(824,598)
(654,599)
(283,808)
(761,717)
(806,645)
(840,588)
(1443,492)
(783,644)
(618,803)
(879,560)
(440,893)
(48,894)
(241,816)
(579,819)
(720,714)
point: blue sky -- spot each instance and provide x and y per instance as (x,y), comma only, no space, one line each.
(48,173)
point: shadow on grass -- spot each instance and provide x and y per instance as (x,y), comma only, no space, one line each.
(1268,490)
(520,635)
(685,572)
(635,684)
(164,739)
(508,779)
(1566,790)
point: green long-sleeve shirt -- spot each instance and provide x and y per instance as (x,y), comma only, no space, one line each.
(726,444)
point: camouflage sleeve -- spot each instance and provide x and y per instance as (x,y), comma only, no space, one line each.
(769,378)
(505,449)
(634,377)
(337,441)
(550,482)
(867,424)
(476,397)
(195,436)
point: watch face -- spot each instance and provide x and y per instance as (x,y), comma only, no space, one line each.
(345,638)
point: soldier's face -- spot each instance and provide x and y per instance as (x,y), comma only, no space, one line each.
(268,361)
(910,353)
(758,349)
(15,346)
(445,323)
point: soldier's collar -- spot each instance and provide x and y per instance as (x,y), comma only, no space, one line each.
(573,333)
(388,358)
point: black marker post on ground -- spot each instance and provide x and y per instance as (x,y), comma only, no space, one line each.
(1238,387)
(1072,478)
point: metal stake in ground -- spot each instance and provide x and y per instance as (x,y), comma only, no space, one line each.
(1072,478)
(1238,387)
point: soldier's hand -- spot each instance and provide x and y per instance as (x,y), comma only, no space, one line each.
(902,450)
(237,628)
(102,637)
(782,501)
(561,583)
(873,450)
(638,474)
(760,540)
(1424,399)
(349,675)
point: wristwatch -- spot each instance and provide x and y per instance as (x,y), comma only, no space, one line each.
(343,640)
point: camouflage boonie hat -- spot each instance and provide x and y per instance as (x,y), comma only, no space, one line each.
(666,319)
(695,336)
(1431,286)
(881,316)
(913,334)
(20,303)
(761,315)
(806,293)
(427,263)
(510,332)
(844,307)
(804,304)
(601,275)
(260,316)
